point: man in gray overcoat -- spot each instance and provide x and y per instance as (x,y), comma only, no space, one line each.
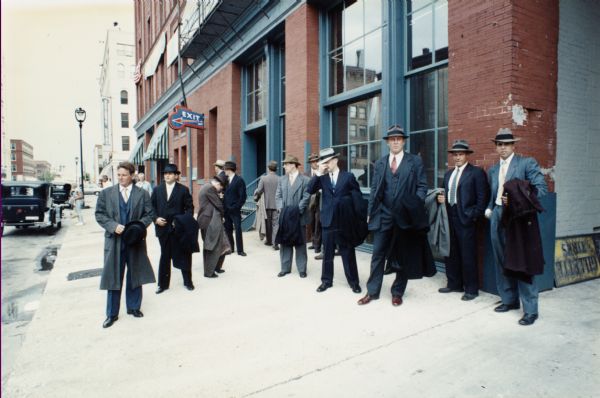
(292,202)
(267,186)
(116,207)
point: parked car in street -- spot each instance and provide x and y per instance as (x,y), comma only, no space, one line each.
(30,204)
(61,192)
(92,189)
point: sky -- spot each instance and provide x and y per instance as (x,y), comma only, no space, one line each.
(51,56)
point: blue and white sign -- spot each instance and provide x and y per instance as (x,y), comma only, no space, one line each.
(183,117)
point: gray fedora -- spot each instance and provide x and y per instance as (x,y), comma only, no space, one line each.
(326,154)
(505,135)
(460,146)
(395,130)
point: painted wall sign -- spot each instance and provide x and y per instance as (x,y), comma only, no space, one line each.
(182,117)
(576,259)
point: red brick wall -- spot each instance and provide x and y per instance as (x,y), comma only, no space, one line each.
(503,54)
(302,80)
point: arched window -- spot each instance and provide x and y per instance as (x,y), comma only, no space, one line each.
(124,97)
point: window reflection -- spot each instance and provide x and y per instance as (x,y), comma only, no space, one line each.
(427,35)
(257,92)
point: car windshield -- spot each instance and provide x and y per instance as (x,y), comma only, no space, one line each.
(18,191)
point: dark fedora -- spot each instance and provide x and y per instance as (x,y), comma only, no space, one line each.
(395,131)
(134,233)
(171,168)
(505,135)
(230,165)
(326,154)
(291,159)
(313,157)
(460,146)
(221,179)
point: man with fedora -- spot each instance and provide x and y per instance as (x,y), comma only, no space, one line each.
(337,187)
(467,195)
(267,188)
(397,176)
(124,247)
(511,167)
(219,166)
(234,199)
(170,199)
(292,202)
(314,208)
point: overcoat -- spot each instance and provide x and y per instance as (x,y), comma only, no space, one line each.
(107,215)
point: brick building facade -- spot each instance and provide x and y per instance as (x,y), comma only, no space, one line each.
(23,166)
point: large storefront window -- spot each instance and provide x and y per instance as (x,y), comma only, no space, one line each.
(355,47)
(427,32)
(257,92)
(356,135)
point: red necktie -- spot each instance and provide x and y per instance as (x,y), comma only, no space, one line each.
(394,165)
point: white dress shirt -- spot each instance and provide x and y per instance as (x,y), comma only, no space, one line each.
(334,177)
(170,189)
(504,164)
(292,177)
(457,173)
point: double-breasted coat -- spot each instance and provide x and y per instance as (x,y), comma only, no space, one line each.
(107,215)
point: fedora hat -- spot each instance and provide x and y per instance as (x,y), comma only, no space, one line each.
(505,135)
(460,146)
(313,157)
(230,165)
(171,168)
(219,163)
(395,131)
(134,233)
(291,159)
(327,154)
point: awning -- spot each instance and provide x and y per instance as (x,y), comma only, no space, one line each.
(137,153)
(172,48)
(158,148)
(154,57)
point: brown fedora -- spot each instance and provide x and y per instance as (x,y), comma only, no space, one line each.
(505,135)
(291,159)
(313,157)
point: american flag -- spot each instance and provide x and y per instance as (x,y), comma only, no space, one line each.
(137,75)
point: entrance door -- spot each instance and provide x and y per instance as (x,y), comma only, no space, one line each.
(255,154)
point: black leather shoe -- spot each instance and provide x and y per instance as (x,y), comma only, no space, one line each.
(109,321)
(310,247)
(242,254)
(302,274)
(528,319)
(356,289)
(191,287)
(449,290)
(219,271)
(135,313)
(468,297)
(213,275)
(507,307)
(323,287)
(275,247)
(161,289)
(268,244)
(282,274)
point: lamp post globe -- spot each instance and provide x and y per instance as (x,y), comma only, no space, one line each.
(80,117)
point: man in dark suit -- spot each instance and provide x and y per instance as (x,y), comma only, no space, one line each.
(117,206)
(234,199)
(467,190)
(267,187)
(313,229)
(336,186)
(511,167)
(168,200)
(396,175)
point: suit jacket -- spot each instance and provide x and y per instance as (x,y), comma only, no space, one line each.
(180,202)
(412,181)
(332,198)
(209,202)
(235,195)
(295,195)
(267,188)
(107,215)
(521,168)
(471,193)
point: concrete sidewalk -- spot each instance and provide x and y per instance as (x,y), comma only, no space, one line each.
(249,333)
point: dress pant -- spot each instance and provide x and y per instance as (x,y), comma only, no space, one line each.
(510,289)
(317,231)
(234,219)
(133,296)
(168,246)
(348,259)
(381,240)
(271,225)
(286,254)
(461,265)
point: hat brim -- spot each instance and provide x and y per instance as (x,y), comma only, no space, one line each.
(507,141)
(296,163)
(387,137)
(172,172)
(328,158)
(460,150)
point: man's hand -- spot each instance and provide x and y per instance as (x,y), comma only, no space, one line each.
(504,200)
(119,230)
(441,198)
(488,213)
(161,222)
(323,168)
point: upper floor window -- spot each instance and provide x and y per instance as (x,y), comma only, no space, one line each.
(125,142)
(13,146)
(13,156)
(124,97)
(125,120)
(427,32)
(257,91)
(355,47)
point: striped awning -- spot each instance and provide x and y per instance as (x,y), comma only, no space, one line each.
(137,153)
(158,148)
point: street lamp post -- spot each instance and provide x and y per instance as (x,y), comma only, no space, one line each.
(80,117)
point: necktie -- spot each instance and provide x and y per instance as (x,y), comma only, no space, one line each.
(332,180)
(394,165)
(125,196)
(452,198)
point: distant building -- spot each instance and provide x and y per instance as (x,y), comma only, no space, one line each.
(42,167)
(22,165)
(117,92)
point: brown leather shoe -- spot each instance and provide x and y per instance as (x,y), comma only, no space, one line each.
(396,301)
(366,300)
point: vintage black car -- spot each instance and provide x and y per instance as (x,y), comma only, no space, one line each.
(61,192)
(30,204)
